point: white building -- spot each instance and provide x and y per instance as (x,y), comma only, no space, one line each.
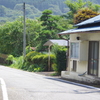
(84,51)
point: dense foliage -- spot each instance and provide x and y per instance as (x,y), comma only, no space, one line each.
(40,59)
(84,14)
(76,5)
(60,53)
(11,36)
(52,25)
(33,62)
(12,9)
(38,32)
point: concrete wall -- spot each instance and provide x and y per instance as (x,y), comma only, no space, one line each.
(85,78)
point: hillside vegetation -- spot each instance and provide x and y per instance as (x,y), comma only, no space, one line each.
(12,9)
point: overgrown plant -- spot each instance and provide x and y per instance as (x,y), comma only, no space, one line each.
(33,61)
(84,14)
(35,58)
(17,62)
(60,53)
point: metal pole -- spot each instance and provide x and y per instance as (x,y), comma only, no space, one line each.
(24,33)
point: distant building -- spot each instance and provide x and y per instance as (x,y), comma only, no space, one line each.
(52,42)
(33,48)
(57,41)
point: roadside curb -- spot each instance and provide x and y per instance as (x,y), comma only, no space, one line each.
(74,83)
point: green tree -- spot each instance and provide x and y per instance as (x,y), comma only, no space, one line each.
(52,25)
(74,6)
(94,7)
(55,23)
(48,28)
(33,29)
(48,20)
(11,36)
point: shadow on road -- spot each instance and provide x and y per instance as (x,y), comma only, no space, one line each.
(73,83)
(78,91)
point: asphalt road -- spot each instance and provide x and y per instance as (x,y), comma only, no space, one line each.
(0,92)
(23,85)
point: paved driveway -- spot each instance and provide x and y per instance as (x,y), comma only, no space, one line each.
(23,85)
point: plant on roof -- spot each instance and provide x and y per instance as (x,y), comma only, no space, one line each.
(84,14)
(75,5)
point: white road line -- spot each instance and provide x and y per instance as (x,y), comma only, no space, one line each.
(4,90)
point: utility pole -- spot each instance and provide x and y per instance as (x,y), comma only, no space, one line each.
(24,32)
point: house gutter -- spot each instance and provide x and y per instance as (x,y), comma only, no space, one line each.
(67,55)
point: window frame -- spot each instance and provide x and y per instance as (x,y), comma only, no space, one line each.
(74,51)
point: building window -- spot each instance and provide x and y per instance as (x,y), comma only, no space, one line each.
(74,65)
(75,50)
(93,63)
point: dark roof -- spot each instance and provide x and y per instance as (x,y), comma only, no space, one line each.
(90,25)
(80,30)
(95,19)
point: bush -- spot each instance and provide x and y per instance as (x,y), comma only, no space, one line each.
(39,59)
(84,14)
(33,61)
(17,62)
(43,60)
(60,53)
(54,67)
(30,55)
(38,68)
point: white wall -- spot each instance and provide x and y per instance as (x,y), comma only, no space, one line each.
(82,63)
(85,36)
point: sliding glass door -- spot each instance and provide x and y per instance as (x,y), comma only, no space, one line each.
(93,58)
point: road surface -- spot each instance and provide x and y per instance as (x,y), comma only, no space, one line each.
(22,85)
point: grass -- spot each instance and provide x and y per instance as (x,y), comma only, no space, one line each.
(54,74)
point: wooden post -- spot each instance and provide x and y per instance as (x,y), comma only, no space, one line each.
(49,57)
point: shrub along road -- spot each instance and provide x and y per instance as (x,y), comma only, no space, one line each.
(23,85)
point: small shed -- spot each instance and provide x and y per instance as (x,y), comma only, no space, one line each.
(56,41)
(52,42)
